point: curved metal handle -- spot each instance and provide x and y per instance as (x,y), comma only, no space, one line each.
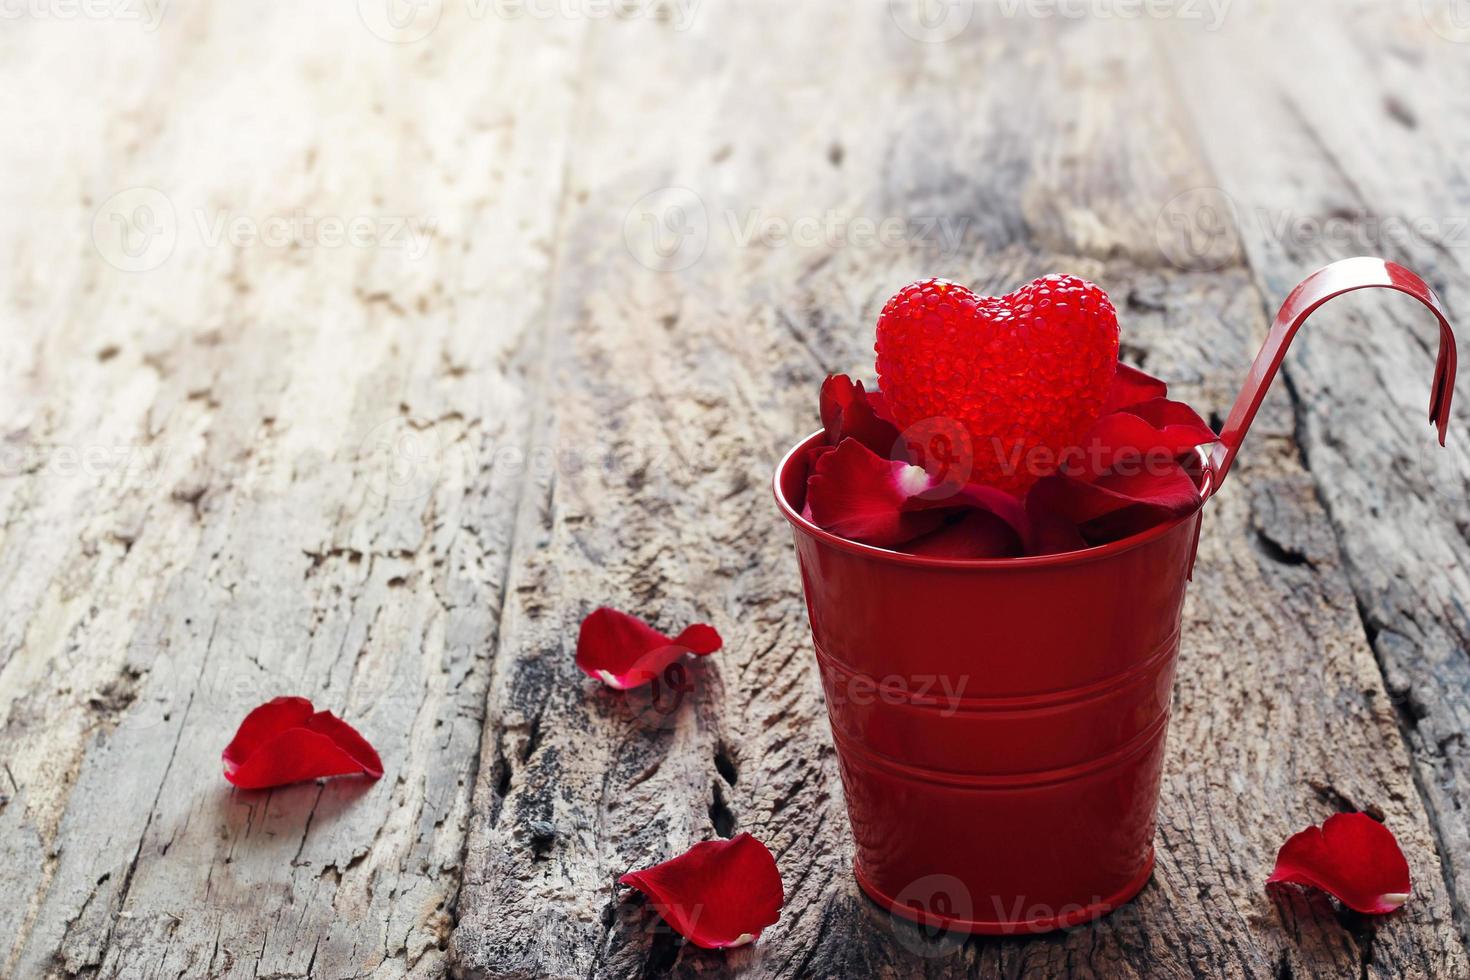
(1325,284)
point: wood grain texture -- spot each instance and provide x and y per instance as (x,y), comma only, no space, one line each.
(309,500)
(1381,175)
(393,475)
(701,375)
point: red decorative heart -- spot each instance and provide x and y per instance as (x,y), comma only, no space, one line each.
(1026,374)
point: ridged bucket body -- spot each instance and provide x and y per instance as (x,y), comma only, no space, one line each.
(999,724)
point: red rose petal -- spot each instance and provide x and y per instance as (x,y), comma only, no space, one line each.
(285,741)
(1165,487)
(264,723)
(856,493)
(976,497)
(1163,412)
(879,405)
(976,534)
(1179,426)
(1051,533)
(1127,478)
(717,894)
(623,651)
(1155,430)
(348,739)
(1122,523)
(849,412)
(1170,488)
(805,462)
(1351,856)
(1131,386)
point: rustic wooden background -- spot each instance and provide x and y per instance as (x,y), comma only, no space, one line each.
(358,350)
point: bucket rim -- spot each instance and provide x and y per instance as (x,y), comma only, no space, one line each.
(1063,559)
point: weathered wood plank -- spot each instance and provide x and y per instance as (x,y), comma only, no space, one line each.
(316,504)
(1354,144)
(256,541)
(1056,145)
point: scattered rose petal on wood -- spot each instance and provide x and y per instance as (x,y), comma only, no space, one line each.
(287,741)
(718,894)
(624,652)
(1352,857)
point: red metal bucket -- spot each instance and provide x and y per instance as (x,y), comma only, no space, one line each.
(1000,724)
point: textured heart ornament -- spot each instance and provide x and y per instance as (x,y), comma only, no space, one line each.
(1025,374)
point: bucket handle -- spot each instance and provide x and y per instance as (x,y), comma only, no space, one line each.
(1340,277)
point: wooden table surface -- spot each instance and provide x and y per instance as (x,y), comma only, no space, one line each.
(357,351)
